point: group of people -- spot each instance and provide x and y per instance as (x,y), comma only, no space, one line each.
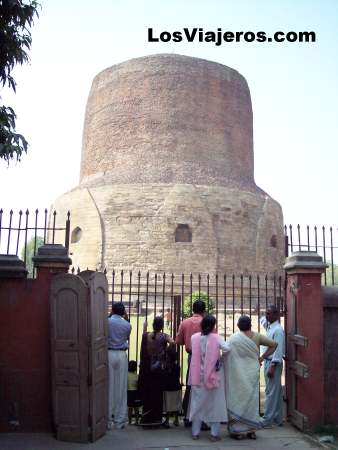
(222,384)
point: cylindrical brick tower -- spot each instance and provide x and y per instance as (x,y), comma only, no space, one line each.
(167,173)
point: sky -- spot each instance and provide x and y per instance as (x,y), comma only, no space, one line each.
(293,89)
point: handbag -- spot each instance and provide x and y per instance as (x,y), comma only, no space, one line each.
(160,363)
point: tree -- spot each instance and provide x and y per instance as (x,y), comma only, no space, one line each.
(16,17)
(31,250)
(189,300)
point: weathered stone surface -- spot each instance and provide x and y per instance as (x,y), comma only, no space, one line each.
(168,141)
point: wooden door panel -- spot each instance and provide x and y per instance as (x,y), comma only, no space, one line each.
(69,357)
(98,353)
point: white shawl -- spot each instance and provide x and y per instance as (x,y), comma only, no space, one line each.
(242,380)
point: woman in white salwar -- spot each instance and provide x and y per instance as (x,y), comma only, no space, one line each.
(242,379)
(206,377)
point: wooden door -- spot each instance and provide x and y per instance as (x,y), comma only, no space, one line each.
(69,357)
(98,352)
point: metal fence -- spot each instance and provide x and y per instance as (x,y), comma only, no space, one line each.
(21,233)
(146,295)
(319,239)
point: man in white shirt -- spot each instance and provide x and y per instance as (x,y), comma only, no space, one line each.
(273,367)
(118,336)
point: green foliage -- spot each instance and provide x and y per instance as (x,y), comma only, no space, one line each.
(16,17)
(189,300)
(31,250)
(329,274)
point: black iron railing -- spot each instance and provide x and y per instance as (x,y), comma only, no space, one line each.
(22,233)
(322,240)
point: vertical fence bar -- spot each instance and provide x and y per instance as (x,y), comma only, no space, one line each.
(173,311)
(308,237)
(225,304)
(191,293)
(112,287)
(129,304)
(155,294)
(54,220)
(163,292)
(258,304)
(19,231)
(208,293)
(199,285)
(26,237)
(316,239)
(137,302)
(9,230)
(216,292)
(324,253)
(241,278)
(35,235)
(233,303)
(147,294)
(266,292)
(1,212)
(250,295)
(332,262)
(182,298)
(67,231)
(291,239)
(121,286)
(129,293)
(299,240)
(45,226)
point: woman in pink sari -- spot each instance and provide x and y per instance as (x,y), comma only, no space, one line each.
(206,377)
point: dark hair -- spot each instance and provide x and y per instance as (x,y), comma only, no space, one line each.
(273,309)
(198,306)
(208,324)
(244,323)
(118,308)
(132,366)
(158,325)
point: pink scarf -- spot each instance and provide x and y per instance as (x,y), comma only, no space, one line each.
(212,354)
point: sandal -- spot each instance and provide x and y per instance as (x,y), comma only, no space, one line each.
(214,438)
(238,437)
(251,435)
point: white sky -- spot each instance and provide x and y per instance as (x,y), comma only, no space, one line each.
(293,88)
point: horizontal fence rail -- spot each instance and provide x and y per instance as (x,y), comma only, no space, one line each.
(23,232)
(321,240)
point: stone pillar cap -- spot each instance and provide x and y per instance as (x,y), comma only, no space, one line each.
(52,255)
(305,260)
(12,267)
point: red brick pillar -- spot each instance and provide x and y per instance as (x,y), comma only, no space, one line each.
(51,259)
(305,344)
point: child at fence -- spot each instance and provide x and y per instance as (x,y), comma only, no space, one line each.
(172,396)
(133,399)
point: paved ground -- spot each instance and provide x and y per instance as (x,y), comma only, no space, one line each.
(134,438)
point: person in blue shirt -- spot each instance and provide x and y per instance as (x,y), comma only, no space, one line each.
(273,367)
(118,335)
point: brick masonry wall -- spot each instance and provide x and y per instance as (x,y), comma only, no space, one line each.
(169,119)
(231,229)
(168,140)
